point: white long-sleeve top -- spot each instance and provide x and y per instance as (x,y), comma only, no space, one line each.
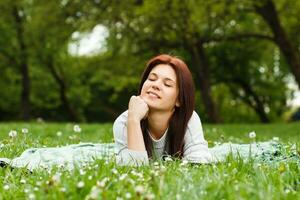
(195,146)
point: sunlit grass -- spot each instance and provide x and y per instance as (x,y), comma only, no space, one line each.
(233,179)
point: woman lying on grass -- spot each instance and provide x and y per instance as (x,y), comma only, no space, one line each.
(161,120)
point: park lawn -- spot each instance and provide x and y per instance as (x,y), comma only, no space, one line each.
(233,179)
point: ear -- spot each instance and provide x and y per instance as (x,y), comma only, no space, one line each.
(177,103)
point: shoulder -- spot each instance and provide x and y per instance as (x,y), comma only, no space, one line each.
(120,123)
(194,120)
(194,128)
(122,118)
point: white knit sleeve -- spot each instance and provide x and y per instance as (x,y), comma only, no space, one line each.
(125,156)
(195,148)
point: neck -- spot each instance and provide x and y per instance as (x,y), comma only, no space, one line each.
(158,122)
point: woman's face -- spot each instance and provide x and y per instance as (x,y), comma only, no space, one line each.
(160,90)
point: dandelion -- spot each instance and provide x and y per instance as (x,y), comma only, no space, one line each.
(122,177)
(24,130)
(12,133)
(56,178)
(80,184)
(6,187)
(94,193)
(168,159)
(31,196)
(22,181)
(139,189)
(82,172)
(128,195)
(252,135)
(287,191)
(76,128)
(40,120)
(114,171)
(59,133)
(102,183)
(150,196)
(183,163)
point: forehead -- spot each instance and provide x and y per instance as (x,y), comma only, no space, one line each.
(164,71)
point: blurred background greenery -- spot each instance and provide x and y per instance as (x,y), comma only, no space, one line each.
(244,56)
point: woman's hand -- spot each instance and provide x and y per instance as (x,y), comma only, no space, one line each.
(137,108)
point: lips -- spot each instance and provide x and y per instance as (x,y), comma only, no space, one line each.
(154,94)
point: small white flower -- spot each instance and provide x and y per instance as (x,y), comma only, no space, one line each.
(168,159)
(26,190)
(128,195)
(80,184)
(12,133)
(31,196)
(150,196)
(94,193)
(59,133)
(275,138)
(90,177)
(6,187)
(184,162)
(122,177)
(287,191)
(63,189)
(76,128)
(40,120)
(252,135)
(139,189)
(56,178)
(22,181)
(24,130)
(82,172)
(114,171)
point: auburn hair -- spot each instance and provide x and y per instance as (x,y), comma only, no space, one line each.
(180,117)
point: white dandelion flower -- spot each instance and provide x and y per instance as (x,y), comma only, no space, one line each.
(12,133)
(128,195)
(23,181)
(24,130)
(184,162)
(252,135)
(76,128)
(6,187)
(139,189)
(56,178)
(31,196)
(122,177)
(59,133)
(150,196)
(80,184)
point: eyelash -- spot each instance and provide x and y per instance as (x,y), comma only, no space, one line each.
(154,80)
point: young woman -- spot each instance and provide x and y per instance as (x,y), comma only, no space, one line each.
(161,120)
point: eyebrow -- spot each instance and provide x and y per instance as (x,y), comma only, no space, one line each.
(152,73)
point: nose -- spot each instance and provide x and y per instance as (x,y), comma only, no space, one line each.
(156,85)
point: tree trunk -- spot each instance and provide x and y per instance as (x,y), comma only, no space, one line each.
(62,91)
(202,71)
(23,64)
(270,15)
(257,104)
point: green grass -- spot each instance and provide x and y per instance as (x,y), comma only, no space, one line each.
(233,179)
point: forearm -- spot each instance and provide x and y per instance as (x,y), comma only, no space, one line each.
(135,138)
